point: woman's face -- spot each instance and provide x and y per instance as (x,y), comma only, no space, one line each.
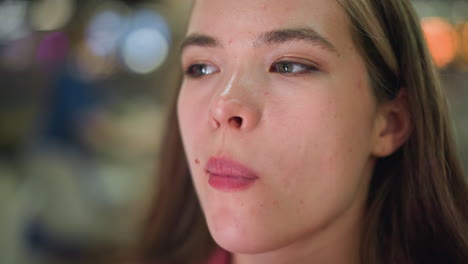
(278,121)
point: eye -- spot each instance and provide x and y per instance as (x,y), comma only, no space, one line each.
(200,70)
(293,68)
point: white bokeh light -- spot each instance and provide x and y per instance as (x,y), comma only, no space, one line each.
(146,18)
(145,50)
(12,17)
(104,32)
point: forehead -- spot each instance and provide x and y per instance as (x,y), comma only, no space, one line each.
(238,19)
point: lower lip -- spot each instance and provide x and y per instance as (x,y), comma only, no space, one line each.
(229,183)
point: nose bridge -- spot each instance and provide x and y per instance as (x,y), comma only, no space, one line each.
(240,78)
(235,105)
(226,90)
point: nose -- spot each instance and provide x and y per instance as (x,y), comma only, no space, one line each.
(235,109)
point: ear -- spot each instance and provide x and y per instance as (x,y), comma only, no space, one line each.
(392,126)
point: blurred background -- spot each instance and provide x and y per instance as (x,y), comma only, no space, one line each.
(84,91)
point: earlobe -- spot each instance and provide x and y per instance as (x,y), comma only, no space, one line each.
(393,126)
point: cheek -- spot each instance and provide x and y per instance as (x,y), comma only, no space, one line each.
(321,148)
(184,116)
(192,117)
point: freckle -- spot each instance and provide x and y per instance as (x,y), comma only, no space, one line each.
(197,161)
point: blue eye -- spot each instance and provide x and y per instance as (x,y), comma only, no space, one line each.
(288,67)
(199,70)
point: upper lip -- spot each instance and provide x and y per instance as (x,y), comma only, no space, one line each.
(223,166)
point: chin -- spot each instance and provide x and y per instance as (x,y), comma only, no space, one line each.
(240,245)
(240,240)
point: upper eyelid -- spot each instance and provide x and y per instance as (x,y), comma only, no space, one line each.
(188,62)
(297,60)
(296,63)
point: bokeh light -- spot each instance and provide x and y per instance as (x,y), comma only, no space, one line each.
(442,40)
(46,15)
(104,32)
(53,49)
(146,46)
(146,18)
(12,19)
(144,50)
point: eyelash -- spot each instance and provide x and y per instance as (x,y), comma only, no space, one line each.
(199,70)
(304,68)
(202,70)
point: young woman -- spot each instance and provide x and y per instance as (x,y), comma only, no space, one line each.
(308,131)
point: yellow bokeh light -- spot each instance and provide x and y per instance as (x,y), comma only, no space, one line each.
(49,15)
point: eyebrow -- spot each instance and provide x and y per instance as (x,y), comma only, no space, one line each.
(273,37)
(296,34)
(200,40)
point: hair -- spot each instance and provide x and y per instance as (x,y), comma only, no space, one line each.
(417,208)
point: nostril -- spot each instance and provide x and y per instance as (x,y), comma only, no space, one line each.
(235,121)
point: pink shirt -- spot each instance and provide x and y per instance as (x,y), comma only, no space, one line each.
(220,256)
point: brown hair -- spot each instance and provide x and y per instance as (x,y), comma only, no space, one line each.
(418,198)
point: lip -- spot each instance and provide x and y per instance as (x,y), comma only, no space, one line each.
(228,175)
